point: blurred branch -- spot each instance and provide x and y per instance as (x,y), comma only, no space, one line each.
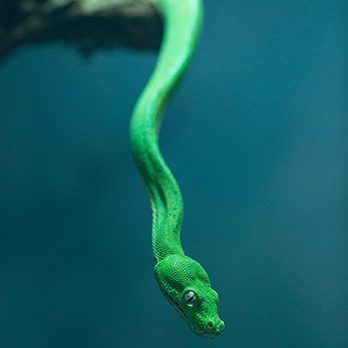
(87,24)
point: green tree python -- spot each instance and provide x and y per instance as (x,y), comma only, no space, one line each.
(183,280)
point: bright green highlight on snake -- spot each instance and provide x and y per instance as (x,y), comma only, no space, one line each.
(183,280)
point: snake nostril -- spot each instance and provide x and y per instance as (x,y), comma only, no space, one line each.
(210,325)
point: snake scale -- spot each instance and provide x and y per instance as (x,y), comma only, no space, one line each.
(183,280)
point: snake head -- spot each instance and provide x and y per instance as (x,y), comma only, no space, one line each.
(187,287)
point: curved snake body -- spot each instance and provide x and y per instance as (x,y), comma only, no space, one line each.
(183,280)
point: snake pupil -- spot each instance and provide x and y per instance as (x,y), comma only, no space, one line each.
(190,297)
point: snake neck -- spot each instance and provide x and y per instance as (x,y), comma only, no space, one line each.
(182,22)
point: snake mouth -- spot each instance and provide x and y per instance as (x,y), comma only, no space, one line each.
(211,331)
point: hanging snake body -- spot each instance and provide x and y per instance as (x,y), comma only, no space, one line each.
(183,280)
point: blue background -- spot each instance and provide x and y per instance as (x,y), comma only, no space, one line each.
(257,138)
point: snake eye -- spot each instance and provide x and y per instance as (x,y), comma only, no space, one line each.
(190,297)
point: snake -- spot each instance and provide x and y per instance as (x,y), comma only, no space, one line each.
(183,281)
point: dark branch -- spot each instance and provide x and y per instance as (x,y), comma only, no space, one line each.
(87,24)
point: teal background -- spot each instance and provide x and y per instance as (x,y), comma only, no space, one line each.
(257,138)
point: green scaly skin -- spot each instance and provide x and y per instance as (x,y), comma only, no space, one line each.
(183,280)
